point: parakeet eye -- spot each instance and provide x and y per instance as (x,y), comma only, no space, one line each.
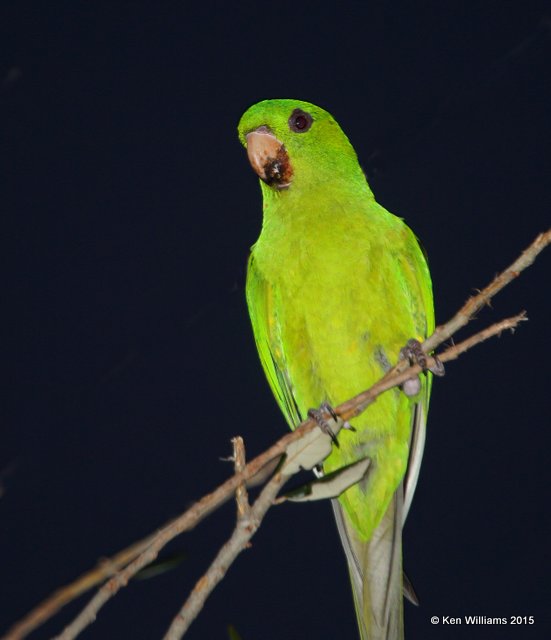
(300,121)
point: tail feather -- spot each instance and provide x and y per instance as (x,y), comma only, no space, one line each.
(376,572)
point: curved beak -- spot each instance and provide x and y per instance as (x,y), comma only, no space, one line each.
(268,158)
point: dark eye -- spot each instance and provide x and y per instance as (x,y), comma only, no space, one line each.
(300,121)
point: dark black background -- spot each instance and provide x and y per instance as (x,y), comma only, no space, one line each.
(128,209)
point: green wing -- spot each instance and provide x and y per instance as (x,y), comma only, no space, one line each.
(260,300)
(416,278)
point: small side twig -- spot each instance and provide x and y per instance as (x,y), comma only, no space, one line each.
(246,527)
(241,496)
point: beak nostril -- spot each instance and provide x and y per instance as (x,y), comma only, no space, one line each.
(262,129)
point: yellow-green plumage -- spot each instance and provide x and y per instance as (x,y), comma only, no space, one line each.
(336,286)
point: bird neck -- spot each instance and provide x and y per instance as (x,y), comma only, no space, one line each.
(314,199)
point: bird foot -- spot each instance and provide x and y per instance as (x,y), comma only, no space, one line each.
(414,354)
(318,415)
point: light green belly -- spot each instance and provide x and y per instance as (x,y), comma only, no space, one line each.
(338,343)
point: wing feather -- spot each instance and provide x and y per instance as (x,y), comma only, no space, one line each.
(268,342)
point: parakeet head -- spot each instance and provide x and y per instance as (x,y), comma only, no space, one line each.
(291,143)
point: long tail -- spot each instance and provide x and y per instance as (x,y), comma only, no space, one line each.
(376,572)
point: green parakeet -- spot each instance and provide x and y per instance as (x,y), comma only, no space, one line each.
(336,285)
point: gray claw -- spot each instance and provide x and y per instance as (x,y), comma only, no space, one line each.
(323,424)
(414,354)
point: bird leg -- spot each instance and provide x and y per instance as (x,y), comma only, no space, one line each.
(414,354)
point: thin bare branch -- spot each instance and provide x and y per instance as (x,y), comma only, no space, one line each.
(473,304)
(508,324)
(394,377)
(245,529)
(194,514)
(145,551)
(62,596)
